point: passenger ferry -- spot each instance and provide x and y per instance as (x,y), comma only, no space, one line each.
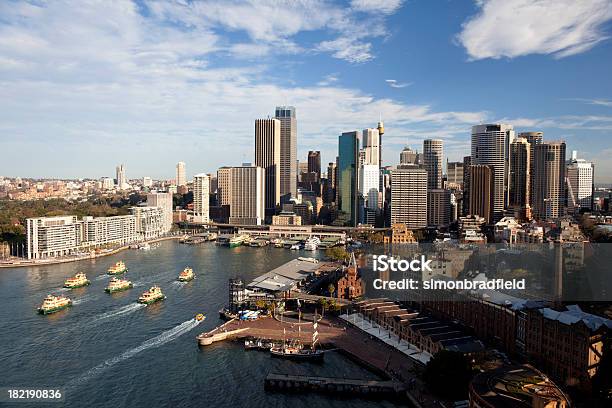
(77,281)
(117,285)
(312,244)
(52,304)
(187,275)
(151,296)
(117,269)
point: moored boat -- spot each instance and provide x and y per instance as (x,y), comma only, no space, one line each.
(296,351)
(186,275)
(117,269)
(151,296)
(77,281)
(117,285)
(52,304)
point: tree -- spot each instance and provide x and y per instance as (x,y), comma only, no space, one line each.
(337,253)
(448,374)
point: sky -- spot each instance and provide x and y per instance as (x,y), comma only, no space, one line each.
(86,85)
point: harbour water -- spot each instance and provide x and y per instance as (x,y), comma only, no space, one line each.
(109,351)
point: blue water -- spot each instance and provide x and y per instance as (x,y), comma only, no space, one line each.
(108,351)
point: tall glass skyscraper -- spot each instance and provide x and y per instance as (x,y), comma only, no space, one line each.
(288,150)
(348,176)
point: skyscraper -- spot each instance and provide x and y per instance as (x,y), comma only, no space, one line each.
(409,196)
(454,174)
(288,150)
(409,156)
(491,147)
(201,197)
(331,182)
(314,163)
(224,186)
(580,183)
(438,207)
(467,162)
(248,190)
(534,138)
(120,177)
(432,159)
(181,178)
(348,176)
(549,179)
(163,201)
(371,146)
(482,185)
(520,171)
(369,184)
(268,156)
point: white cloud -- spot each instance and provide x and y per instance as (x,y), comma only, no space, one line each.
(377,6)
(598,102)
(394,84)
(348,49)
(328,80)
(513,28)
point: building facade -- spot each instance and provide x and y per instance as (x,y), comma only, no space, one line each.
(164,201)
(520,178)
(438,208)
(580,183)
(248,195)
(549,179)
(288,150)
(481,192)
(201,198)
(409,197)
(432,159)
(181,177)
(268,156)
(348,176)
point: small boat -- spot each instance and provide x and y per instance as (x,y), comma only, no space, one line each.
(258,344)
(77,281)
(118,285)
(52,304)
(312,244)
(199,317)
(295,247)
(151,296)
(186,275)
(117,269)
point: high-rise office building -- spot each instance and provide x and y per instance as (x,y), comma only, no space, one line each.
(181,178)
(201,198)
(467,162)
(371,146)
(120,177)
(454,174)
(482,185)
(491,147)
(409,196)
(288,149)
(432,159)
(224,186)
(314,162)
(331,182)
(580,183)
(163,201)
(248,195)
(533,138)
(268,156)
(438,207)
(348,176)
(369,184)
(409,156)
(549,179)
(520,175)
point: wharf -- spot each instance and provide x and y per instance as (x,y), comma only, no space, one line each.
(303,383)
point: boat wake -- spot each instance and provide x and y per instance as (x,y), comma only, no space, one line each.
(83,299)
(132,307)
(161,339)
(101,277)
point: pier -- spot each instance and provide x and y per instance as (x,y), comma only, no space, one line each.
(302,383)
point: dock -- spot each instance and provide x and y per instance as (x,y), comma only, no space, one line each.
(303,383)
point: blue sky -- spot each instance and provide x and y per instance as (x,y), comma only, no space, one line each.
(85,85)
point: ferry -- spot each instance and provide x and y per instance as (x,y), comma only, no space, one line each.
(187,275)
(117,269)
(117,285)
(312,244)
(52,304)
(77,281)
(237,241)
(199,317)
(151,296)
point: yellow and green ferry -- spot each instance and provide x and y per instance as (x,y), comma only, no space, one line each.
(52,304)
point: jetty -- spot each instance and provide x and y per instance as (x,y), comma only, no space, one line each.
(304,383)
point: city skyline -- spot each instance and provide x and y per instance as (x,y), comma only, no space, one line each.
(159,85)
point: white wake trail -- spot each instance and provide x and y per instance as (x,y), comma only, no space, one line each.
(161,339)
(132,307)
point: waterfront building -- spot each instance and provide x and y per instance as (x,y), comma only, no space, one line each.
(520,177)
(52,236)
(580,183)
(549,179)
(491,147)
(117,230)
(481,192)
(314,163)
(287,218)
(534,139)
(149,222)
(181,178)
(348,176)
(224,186)
(438,207)
(120,179)
(409,197)
(201,198)
(432,160)
(288,150)
(164,201)
(409,156)
(247,205)
(268,157)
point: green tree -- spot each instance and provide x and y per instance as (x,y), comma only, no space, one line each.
(338,253)
(448,374)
